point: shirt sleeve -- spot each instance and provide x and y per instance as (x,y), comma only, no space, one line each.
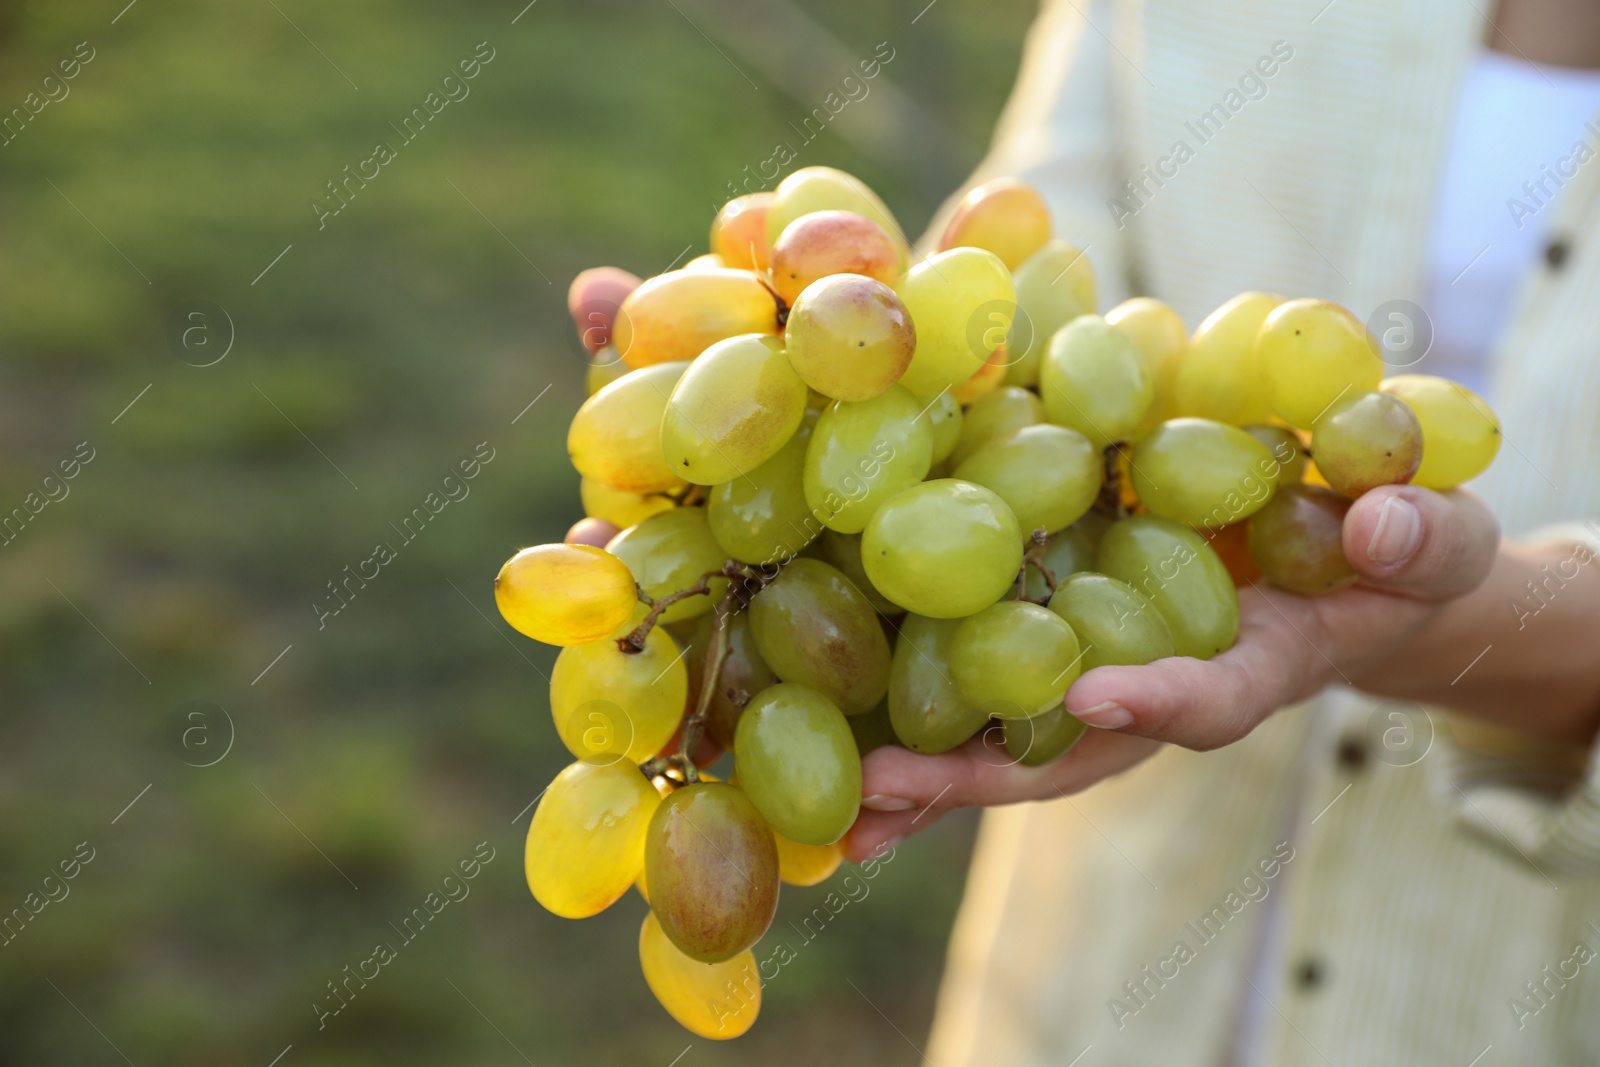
(1538,803)
(1057,134)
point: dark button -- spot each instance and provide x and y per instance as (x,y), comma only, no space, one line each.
(1352,753)
(1556,252)
(1309,974)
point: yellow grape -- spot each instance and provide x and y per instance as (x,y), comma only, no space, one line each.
(849,336)
(1004,216)
(732,410)
(739,232)
(825,243)
(716,1001)
(609,705)
(1094,381)
(1309,354)
(1158,332)
(565,594)
(1054,286)
(1217,377)
(989,376)
(709,261)
(826,189)
(605,367)
(1460,433)
(586,842)
(669,552)
(962,302)
(618,506)
(806,864)
(615,438)
(678,315)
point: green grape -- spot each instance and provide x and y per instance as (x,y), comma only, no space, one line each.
(1460,433)
(1115,623)
(609,705)
(615,437)
(1054,286)
(1298,540)
(762,517)
(697,994)
(1043,738)
(1067,552)
(843,551)
(1217,377)
(962,302)
(945,549)
(944,415)
(712,868)
(1094,380)
(872,729)
(1309,354)
(798,764)
(1366,440)
(814,627)
(565,594)
(1286,447)
(828,244)
(669,552)
(744,672)
(1004,411)
(862,454)
(732,410)
(826,189)
(927,711)
(1203,473)
(1014,658)
(849,337)
(586,841)
(1174,568)
(1049,475)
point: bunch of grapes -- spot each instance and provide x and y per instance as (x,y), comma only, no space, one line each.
(837,499)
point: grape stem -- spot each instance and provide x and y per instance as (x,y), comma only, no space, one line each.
(1038,541)
(633,643)
(1109,503)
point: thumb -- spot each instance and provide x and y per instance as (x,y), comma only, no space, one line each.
(1411,540)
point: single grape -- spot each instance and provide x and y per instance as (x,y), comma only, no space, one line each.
(616,506)
(732,410)
(1003,216)
(1094,380)
(826,189)
(615,438)
(963,302)
(565,594)
(806,864)
(1285,446)
(944,416)
(744,673)
(1014,658)
(678,315)
(927,711)
(1159,334)
(1068,552)
(1048,475)
(1054,286)
(717,1001)
(1203,473)
(739,232)
(1115,623)
(1298,540)
(586,841)
(814,627)
(843,551)
(1044,738)
(1366,440)
(863,453)
(669,552)
(596,533)
(605,367)
(1232,546)
(1310,353)
(762,517)
(1218,377)
(1173,567)
(593,300)
(709,261)
(798,764)
(831,242)
(849,337)
(945,548)
(712,868)
(1460,433)
(609,705)
(1002,412)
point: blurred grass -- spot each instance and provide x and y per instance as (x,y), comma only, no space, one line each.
(378,751)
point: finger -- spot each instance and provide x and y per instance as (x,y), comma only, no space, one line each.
(874,830)
(1432,546)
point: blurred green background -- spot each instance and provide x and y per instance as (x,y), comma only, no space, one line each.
(298,790)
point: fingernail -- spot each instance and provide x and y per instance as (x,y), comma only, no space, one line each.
(1107,716)
(879,802)
(1398,533)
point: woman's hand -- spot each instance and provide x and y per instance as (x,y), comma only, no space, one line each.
(1414,549)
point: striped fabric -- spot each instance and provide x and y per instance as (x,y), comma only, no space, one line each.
(1439,885)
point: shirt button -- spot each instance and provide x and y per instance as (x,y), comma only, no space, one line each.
(1556,252)
(1308,975)
(1352,754)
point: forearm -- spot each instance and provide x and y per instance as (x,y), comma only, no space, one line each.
(1521,651)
